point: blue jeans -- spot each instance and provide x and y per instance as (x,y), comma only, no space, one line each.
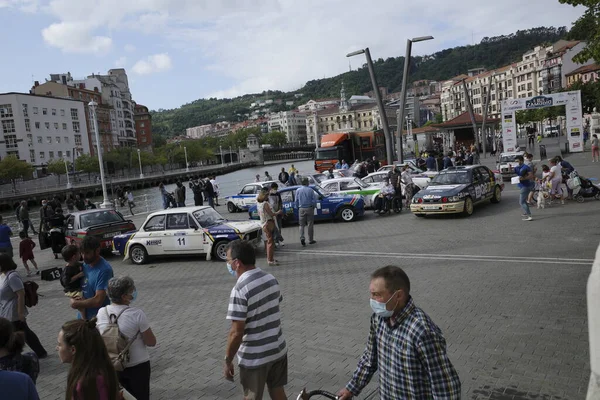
(523,199)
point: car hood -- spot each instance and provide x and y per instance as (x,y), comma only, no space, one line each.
(447,190)
(234,227)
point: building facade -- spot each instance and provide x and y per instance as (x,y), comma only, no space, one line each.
(293,123)
(38,129)
(143,126)
(585,74)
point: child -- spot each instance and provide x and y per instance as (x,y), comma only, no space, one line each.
(26,253)
(73,273)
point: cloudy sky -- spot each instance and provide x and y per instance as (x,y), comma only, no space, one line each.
(176,51)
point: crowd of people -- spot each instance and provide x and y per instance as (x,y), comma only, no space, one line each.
(203,190)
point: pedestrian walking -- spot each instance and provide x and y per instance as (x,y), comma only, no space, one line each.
(12,303)
(595,148)
(530,137)
(180,194)
(130,201)
(46,212)
(554,178)
(5,235)
(92,374)
(134,325)
(97,272)
(24,218)
(255,334)
(306,201)
(283,176)
(292,179)
(526,185)
(26,253)
(215,186)
(404,345)
(12,357)
(529,162)
(56,225)
(267,220)
(276,206)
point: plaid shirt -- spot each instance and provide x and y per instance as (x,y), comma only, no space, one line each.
(410,353)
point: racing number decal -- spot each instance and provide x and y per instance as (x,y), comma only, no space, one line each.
(481,190)
(181,242)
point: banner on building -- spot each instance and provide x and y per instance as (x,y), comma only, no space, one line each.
(574,125)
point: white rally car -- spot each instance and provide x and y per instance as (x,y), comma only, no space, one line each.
(376,178)
(507,164)
(247,196)
(352,186)
(185,230)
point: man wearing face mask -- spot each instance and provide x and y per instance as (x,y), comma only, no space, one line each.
(96,274)
(404,345)
(255,333)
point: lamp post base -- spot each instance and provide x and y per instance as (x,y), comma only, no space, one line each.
(69,186)
(106,204)
(141,176)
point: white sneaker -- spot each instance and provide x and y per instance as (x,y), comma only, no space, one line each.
(29,274)
(528,218)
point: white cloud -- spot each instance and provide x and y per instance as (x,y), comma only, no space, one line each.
(152,64)
(28,6)
(129,48)
(74,37)
(120,62)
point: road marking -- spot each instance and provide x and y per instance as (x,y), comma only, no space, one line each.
(450,257)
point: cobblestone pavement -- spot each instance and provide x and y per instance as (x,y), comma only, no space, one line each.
(508,295)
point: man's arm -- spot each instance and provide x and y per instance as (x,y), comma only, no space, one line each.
(94,302)
(367,365)
(444,380)
(234,339)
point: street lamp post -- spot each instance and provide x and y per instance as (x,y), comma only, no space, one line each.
(386,129)
(140,161)
(105,202)
(230,158)
(221,152)
(187,166)
(67,170)
(401,111)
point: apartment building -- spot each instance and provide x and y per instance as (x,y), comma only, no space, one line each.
(38,128)
(587,73)
(293,123)
(217,130)
(143,126)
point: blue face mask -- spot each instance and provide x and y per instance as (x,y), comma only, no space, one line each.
(134,295)
(230,269)
(380,308)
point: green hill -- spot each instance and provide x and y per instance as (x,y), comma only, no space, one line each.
(490,53)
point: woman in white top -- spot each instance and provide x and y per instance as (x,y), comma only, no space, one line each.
(406,179)
(267,217)
(555,179)
(135,378)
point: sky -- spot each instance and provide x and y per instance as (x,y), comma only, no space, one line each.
(177,51)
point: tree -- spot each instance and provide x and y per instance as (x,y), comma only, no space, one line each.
(87,163)
(275,138)
(439,118)
(590,95)
(120,158)
(587,28)
(12,168)
(57,167)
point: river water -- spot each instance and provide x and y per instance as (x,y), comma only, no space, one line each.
(149,199)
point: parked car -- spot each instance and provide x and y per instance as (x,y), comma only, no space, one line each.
(102,223)
(507,163)
(329,206)
(185,230)
(353,186)
(247,196)
(376,178)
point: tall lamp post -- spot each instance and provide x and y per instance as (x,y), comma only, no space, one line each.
(389,146)
(67,170)
(140,161)
(401,111)
(230,158)
(187,166)
(105,203)
(221,152)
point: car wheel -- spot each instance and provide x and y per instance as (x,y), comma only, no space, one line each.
(420,215)
(220,250)
(497,195)
(597,196)
(580,199)
(231,207)
(138,254)
(468,211)
(347,214)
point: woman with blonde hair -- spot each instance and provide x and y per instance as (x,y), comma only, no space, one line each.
(92,375)
(267,220)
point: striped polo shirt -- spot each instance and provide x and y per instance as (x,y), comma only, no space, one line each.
(255,299)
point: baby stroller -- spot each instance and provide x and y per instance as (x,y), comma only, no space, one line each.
(582,187)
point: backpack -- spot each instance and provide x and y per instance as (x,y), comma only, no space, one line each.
(116,343)
(31,296)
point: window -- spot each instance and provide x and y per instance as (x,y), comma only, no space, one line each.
(37,125)
(59,154)
(44,111)
(75,126)
(51,155)
(39,139)
(49,139)
(56,125)
(35,110)
(32,156)
(77,140)
(6,111)
(66,139)
(156,223)
(68,153)
(144,139)
(42,155)
(8,126)
(177,221)
(25,111)
(74,114)
(58,139)
(64,126)
(142,124)
(29,138)
(62,113)
(54,111)
(47,125)
(27,126)
(10,141)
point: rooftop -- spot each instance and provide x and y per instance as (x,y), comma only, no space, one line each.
(585,69)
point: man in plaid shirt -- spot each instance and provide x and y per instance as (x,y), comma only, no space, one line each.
(404,344)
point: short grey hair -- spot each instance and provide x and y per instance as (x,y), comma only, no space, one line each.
(118,287)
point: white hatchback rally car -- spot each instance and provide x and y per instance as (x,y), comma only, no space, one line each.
(185,230)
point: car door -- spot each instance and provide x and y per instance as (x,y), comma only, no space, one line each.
(488,179)
(249,195)
(178,234)
(200,243)
(289,205)
(152,235)
(332,187)
(479,185)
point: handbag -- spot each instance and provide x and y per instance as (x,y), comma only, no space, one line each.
(44,240)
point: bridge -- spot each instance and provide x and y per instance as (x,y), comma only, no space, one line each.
(289,152)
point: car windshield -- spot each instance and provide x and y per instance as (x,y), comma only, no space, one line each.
(450,178)
(319,177)
(327,154)
(208,217)
(359,183)
(508,158)
(100,217)
(320,190)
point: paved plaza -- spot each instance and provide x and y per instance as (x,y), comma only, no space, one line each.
(509,296)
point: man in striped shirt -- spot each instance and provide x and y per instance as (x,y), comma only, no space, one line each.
(255,333)
(404,344)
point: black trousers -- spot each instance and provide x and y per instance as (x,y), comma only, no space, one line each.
(198,200)
(26,226)
(30,338)
(136,380)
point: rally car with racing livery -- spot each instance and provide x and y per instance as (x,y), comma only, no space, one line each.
(247,196)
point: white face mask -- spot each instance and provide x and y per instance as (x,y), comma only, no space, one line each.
(381,308)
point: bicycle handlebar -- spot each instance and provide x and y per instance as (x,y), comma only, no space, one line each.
(304,395)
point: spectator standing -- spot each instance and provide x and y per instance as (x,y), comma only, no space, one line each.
(526,185)
(26,253)
(215,186)
(72,277)
(97,272)
(89,205)
(306,201)
(254,307)
(404,345)
(70,202)
(376,163)
(164,195)
(406,179)
(5,243)
(268,177)
(283,176)
(12,357)
(292,178)
(447,161)
(17,386)
(595,148)
(431,163)
(338,165)
(25,219)
(133,323)
(130,201)
(46,212)
(92,375)
(79,203)
(12,303)
(56,225)
(276,206)
(257,178)
(330,174)
(210,193)
(180,194)
(293,169)
(197,187)
(267,220)
(345,165)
